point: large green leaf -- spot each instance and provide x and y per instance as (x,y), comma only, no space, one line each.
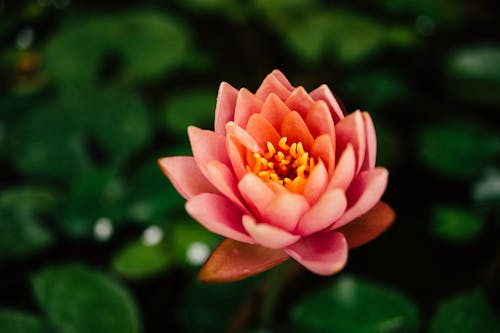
(465,313)
(354,305)
(455,224)
(21,210)
(457,150)
(48,141)
(80,300)
(148,44)
(14,321)
(473,74)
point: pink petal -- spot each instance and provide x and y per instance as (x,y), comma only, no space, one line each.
(325,94)
(371,143)
(316,183)
(272,84)
(322,149)
(282,78)
(262,131)
(319,121)
(185,176)
(219,215)
(246,105)
(364,193)
(295,129)
(268,235)
(222,177)
(233,261)
(224,109)
(237,156)
(327,210)
(351,130)
(256,192)
(285,211)
(323,253)
(344,171)
(300,101)
(207,146)
(274,110)
(242,136)
(369,225)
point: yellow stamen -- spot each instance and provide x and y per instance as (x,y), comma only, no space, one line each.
(284,164)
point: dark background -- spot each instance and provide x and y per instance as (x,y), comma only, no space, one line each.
(93,238)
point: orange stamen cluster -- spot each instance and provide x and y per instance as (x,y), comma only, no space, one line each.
(288,165)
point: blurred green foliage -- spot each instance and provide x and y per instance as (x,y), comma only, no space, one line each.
(92,94)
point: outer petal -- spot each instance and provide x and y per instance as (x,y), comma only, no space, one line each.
(224,109)
(246,105)
(369,225)
(268,235)
(323,253)
(256,193)
(364,192)
(285,211)
(224,180)
(299,101)
(316,183)
(327,210)
(233,261)
(207,146)
(185,175)
(371,143)
(219,215)
(295,129)
(262,131)
(351,130)
(273,84)
(324,93)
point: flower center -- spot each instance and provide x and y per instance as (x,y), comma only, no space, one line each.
(288,165)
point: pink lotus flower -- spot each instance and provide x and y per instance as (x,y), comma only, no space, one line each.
(284,174)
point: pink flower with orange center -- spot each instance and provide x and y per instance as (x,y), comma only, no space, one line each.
(284,174)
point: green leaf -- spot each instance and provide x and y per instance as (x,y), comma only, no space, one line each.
(465,313)
(457,150)
(48,142)
(118,120)
(79,299)
(473,74)
(21,211)
(196,107)
(455,224)
(356,36)
(148,44)
(96,194)
(14,321)
(354,305)
(138,260)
